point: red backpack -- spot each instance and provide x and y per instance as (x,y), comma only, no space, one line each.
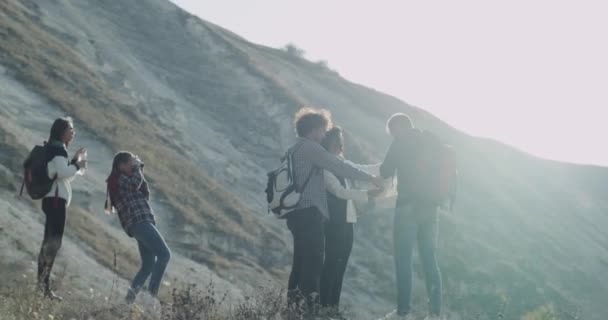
(434,173)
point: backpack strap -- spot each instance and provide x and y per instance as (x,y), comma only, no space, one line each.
(22,186)
(290,154)
(56,201)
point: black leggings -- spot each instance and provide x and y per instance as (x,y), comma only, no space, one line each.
(338,246)
(55,211)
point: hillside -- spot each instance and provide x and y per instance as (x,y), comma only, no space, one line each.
(210,113)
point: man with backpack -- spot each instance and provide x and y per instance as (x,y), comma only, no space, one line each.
(308,160)
(426,175)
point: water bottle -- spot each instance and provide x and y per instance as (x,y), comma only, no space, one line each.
(83,157)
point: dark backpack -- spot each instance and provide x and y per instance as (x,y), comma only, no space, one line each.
(434,173)
(35,173)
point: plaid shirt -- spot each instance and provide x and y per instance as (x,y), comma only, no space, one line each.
(310,158)
(133,206)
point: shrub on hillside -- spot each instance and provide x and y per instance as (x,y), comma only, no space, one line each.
(294,51)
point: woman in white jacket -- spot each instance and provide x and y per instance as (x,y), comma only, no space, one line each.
(55,204)
(339,229)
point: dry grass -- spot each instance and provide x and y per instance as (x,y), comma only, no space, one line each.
(27,49)
(188,302)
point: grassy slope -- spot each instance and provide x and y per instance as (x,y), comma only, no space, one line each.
(32,53)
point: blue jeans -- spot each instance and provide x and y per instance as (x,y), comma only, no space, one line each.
(155,256)
(416,223)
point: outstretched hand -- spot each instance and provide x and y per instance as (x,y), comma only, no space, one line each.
(378,181)
(374,193)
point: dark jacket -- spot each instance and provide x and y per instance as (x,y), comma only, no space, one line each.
(399,161)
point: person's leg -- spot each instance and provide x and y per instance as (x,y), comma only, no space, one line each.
(313,252)
(345,248)
(294,296)
(147,264)
(155,247)
(55,211)
(427,247)
(330,265)
(43,272)
(160,249)
(404,239)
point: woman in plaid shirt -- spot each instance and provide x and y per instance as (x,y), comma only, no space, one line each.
(128,193)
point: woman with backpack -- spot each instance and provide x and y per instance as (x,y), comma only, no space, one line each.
(54,205)
(129,194)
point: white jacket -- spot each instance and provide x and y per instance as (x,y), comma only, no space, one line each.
(333,186)
(60,165)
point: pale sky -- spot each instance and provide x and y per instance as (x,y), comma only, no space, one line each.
(533,74)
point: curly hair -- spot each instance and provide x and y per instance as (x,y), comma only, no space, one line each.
(308,119)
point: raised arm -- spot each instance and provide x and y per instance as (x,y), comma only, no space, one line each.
(63,168)
(145,189)
(133,182)
(369,168)
(332,184)
(326,161)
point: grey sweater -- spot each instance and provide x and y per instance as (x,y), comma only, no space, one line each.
(311,158)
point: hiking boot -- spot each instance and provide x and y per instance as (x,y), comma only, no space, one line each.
(49,294)
(45,290)
(131,295)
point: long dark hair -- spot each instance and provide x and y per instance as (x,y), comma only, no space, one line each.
(334,135)
(59,127)
(120,158)
(112,180)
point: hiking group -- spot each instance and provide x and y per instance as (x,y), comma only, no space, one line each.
(313,190)
(48,176)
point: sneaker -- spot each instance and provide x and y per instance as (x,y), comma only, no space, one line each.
(150,303)
(131,296)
